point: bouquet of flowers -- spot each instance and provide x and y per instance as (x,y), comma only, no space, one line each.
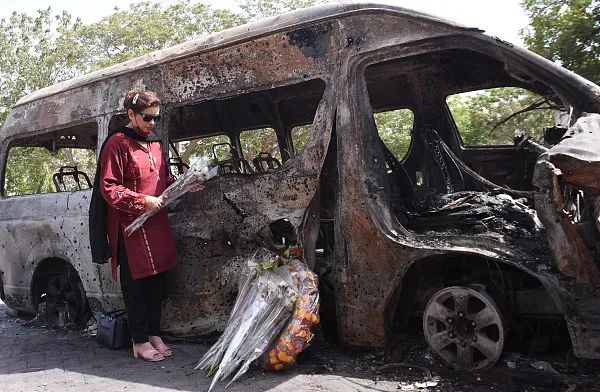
(271,294)
(297,334)
(198,172)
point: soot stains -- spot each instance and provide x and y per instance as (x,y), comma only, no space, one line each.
(313,41)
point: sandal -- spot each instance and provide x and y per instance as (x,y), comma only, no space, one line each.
(163,349)
(150,355)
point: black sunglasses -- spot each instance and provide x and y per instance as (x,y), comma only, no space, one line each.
(149,117)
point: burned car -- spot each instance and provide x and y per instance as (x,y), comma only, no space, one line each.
(474,240)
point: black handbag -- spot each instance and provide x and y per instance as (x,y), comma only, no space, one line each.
(113,331)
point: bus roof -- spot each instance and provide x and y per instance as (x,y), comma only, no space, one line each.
(230,36)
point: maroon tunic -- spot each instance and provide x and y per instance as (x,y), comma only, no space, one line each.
(128,173)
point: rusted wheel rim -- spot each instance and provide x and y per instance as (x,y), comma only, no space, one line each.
(464,327)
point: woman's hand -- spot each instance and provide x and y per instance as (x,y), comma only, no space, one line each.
(154,203)
(196,188)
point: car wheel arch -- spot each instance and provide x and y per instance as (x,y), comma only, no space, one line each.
(51,267)
(402,301)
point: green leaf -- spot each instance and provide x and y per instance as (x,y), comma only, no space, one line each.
(567,32)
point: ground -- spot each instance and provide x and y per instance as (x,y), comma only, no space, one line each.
(35,357)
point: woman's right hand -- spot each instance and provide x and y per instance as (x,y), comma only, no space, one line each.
(154,203)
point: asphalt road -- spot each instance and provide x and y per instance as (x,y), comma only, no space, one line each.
(37,358)
(34,357)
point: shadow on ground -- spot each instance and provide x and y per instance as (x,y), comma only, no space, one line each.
(34,357)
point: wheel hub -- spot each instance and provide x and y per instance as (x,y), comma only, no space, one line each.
(464,327)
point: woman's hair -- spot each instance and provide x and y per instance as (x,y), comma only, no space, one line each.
(140,100)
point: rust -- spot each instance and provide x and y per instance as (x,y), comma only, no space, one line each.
(384,233)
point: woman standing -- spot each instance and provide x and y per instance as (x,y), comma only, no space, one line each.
(133,172)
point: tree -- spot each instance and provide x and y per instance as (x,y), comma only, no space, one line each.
(145,27)
(566,31)
(29,170)
(258,9)
(395,129)
(36,52)
(491,117)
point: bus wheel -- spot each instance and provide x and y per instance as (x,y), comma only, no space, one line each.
(464,327)
(65,299)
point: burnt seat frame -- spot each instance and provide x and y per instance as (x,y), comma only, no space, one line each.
(70,171)
(234,164)
(265,162)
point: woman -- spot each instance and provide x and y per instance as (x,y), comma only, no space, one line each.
(133,172)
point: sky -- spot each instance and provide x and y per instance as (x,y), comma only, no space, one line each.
(502,18)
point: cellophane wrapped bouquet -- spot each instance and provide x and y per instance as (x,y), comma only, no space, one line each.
(197,173)
(272,319)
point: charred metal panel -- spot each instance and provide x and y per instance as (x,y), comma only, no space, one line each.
(585,335)
(268,61)
(373,250)
(30,235)
(365,265)
(198,306)
(573,162)
(370,32)
(577,156)
(217,228)
(78,105)
(214,229)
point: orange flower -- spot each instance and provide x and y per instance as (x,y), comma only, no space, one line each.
(283,357)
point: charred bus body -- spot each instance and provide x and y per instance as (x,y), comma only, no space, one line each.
(446,233)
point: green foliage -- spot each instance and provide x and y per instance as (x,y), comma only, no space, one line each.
(258,9)
(197,148)
(479,115)
(300,135)
(145,27)
(29,170)
(395,129)
(566,31)
(36,52)
(259,140)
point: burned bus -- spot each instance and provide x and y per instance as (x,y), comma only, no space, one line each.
(361,157)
